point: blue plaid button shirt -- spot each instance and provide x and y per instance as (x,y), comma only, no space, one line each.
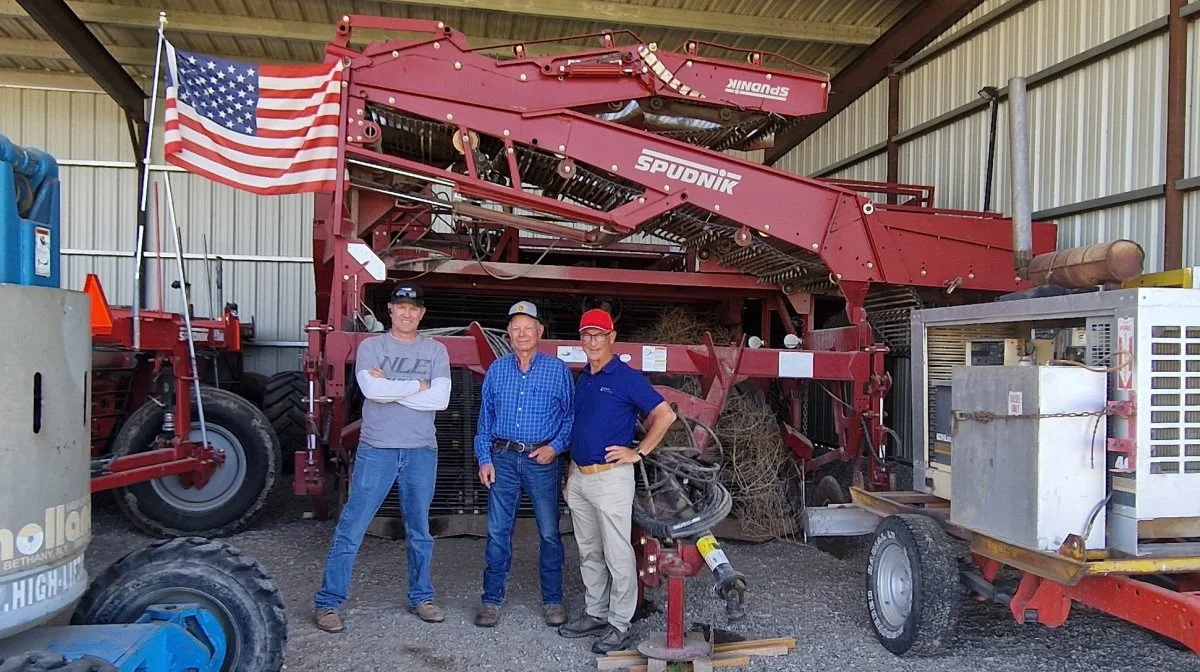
(527,406)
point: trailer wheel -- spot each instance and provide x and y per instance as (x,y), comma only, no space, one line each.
(283,403)
(234,495)
(48,661)
(912,585)
(232,587)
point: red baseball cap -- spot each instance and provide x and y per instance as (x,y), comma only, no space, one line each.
(596,318)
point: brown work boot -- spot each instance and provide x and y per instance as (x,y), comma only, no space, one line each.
(328,620)
(428,612)
(487,616)
(554,614)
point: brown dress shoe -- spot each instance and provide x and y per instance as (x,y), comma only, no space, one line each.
(328,620)
(554,614)
(487,616)
(428,612)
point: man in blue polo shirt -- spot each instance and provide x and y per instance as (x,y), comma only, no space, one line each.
(609,396)
(524,424)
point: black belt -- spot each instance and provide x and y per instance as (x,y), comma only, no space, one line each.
(517,446)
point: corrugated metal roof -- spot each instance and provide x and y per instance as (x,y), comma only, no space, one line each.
(126,27)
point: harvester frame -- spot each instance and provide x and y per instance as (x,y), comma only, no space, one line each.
(538,157)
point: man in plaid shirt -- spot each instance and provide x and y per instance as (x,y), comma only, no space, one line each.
(525,420)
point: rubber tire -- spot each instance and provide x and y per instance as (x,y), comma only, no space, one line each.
(824,492)
(936,593)
(283,404)
(44,661)
(147,510)
(209,570)
(252,387)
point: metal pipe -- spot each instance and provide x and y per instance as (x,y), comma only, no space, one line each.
(1083,267)
(1176,132)
(518,222)
(1022,210)
(994,105)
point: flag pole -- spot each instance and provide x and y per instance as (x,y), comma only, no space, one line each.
(187,315)
(145,174)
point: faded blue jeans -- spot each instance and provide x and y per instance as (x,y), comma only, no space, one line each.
(375,471)
(516,472)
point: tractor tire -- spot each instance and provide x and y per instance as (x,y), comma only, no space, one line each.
(283,403)
(913,588)
(234,495)
(216,576)
(48,661)
(252,387)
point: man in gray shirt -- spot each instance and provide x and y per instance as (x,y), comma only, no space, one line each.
(405,379)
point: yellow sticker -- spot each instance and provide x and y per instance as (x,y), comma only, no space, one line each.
(706,544)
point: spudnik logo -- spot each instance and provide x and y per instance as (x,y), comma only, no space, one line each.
(757,89)
(717,179)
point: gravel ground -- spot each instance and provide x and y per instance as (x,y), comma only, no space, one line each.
(794,591)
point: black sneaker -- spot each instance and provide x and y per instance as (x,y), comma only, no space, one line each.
(584,626)
(613,640)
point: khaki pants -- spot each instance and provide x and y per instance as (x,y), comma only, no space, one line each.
(602,516)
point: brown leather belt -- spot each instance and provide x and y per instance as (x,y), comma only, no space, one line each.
(597,468)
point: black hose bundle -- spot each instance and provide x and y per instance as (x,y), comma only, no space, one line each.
(679,495)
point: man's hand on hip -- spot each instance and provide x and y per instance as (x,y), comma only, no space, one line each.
(487,475)
(621,455)
(544,455)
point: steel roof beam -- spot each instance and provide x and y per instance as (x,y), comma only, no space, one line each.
(61,24)
(668,17)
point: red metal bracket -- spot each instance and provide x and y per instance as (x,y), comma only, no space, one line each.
(1040,600)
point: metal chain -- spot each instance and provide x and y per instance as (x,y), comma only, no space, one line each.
(804,407)
(988,416)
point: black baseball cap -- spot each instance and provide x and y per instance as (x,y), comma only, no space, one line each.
(408,293)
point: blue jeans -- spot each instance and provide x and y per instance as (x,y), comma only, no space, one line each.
(516,472)
(375,471)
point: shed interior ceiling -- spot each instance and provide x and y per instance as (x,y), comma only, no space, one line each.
(824,34)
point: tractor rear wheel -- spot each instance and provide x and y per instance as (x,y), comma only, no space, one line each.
(238,489)
(211,574)
(283,403)
(253,386)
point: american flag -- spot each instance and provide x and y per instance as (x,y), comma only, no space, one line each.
(267,129)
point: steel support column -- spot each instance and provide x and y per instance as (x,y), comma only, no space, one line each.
(1176,134)
(901,42)
(893,127)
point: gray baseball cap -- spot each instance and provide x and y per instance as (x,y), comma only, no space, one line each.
(524,308)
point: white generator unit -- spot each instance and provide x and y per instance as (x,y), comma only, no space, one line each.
(1144,342)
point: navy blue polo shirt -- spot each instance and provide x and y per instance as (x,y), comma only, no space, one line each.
(607,405)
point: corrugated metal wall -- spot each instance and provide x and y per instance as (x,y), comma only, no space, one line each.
(873,169)
(265,242)
(1095,131)
(862,124)
(1042,34)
